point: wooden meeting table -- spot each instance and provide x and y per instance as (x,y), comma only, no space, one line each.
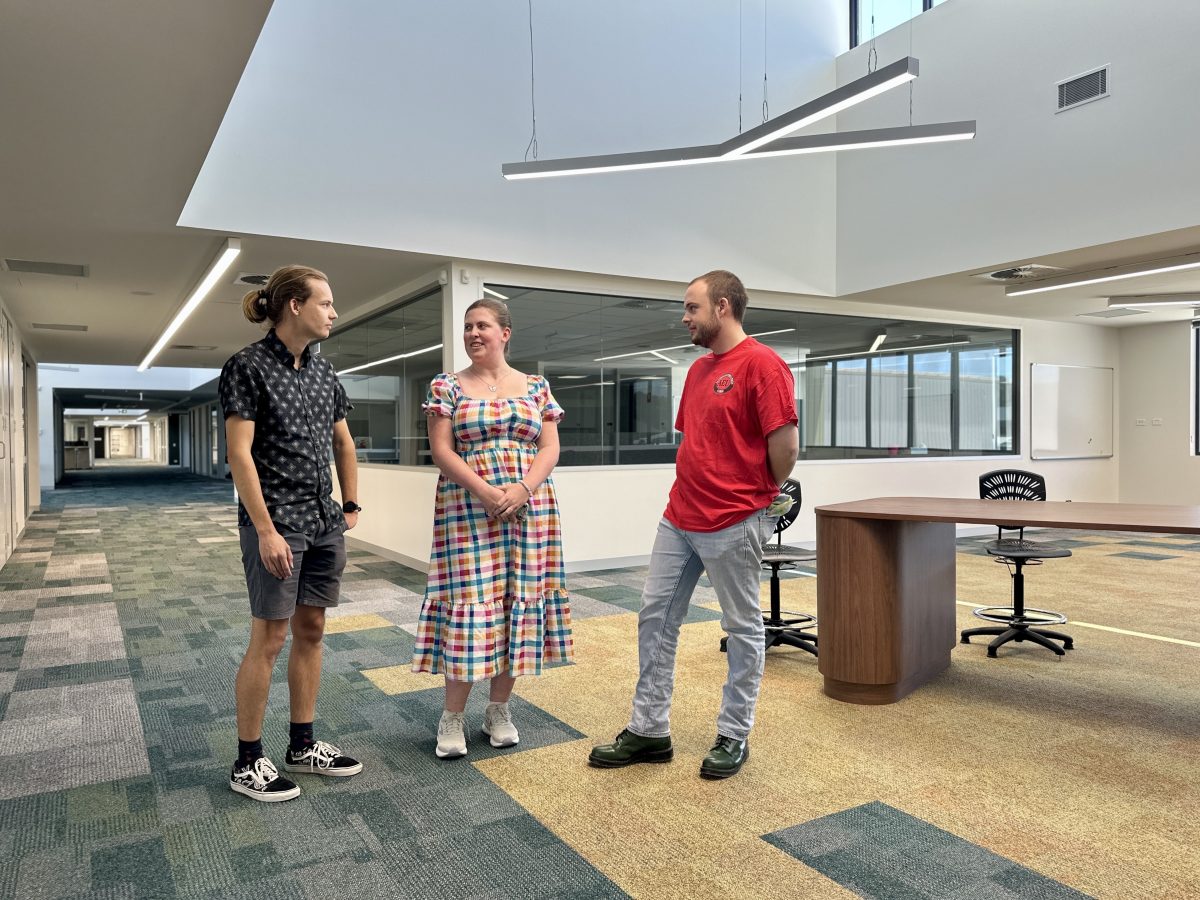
(886,588)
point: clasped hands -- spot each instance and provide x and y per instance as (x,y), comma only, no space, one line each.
(507,502)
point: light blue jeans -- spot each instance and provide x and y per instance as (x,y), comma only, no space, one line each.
(732,558)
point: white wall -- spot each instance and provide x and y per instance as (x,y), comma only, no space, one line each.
(1157,462)
(413,107)
(14,433)
(1032,182)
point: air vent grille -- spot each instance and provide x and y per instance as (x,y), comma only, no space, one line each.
(35,267)
(1019,273)
(251,279)
(193,347)
(1112,313)
(1083,89)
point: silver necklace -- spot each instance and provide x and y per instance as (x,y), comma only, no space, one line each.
(491,387)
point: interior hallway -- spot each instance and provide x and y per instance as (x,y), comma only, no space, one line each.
(123,618)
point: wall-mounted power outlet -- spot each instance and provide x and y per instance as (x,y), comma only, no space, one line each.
(1139,421)
(1156,421)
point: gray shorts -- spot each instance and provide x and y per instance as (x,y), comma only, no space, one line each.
(317,564)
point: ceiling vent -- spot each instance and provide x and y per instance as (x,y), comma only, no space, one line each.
(1083,89)
(33,267)
(1019,273)
(193,347)
(250,279)
(54,326)
(1112,313)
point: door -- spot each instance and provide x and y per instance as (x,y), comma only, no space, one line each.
(6,492)
(16,448)
(173,439)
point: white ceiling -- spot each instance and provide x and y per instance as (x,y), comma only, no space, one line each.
(108,115)
(114,108)
(966,292)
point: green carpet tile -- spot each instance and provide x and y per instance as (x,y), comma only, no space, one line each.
(881,853)
(123,618)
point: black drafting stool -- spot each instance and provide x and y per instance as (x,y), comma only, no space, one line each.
(793,630)
(1018,623)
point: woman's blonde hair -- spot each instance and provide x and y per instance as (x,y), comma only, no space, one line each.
(285,284)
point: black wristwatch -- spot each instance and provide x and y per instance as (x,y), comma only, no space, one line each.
(351,507)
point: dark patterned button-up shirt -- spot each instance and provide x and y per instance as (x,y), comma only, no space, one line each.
(294,411)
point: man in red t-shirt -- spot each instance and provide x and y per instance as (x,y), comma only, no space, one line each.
(740,440)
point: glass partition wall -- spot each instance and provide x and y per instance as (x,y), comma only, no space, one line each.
(865,387)
(386,363)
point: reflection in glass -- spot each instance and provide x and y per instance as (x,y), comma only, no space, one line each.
(386,363)
(865,387)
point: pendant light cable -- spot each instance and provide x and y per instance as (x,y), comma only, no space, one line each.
(765,106)
(532,146)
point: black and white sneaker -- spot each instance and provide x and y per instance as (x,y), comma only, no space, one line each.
(321,758)
(262,781)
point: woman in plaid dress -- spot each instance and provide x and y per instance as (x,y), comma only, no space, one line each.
(496,602)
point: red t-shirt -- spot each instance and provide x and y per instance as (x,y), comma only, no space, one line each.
(730,403)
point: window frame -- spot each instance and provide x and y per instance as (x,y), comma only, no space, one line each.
(926,5)
(1196,387)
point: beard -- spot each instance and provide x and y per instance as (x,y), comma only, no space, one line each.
(705,334)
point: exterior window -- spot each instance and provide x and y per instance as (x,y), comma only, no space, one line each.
(889,403)
(870,18)
(852,403)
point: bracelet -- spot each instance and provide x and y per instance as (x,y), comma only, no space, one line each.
(527,490)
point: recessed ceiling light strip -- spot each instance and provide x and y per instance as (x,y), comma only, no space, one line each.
(1101,276)
(229,251)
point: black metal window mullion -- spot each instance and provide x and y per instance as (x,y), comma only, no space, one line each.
(833,405)
(867,404)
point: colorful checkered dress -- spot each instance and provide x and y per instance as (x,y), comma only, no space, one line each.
(496,600)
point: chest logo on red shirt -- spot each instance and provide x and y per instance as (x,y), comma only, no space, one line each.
(723,385)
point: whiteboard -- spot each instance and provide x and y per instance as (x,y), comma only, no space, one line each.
(1071,411)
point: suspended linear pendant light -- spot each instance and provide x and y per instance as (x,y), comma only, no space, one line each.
(767,139)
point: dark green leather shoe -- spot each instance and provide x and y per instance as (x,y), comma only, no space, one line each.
(630,748)
(725,758)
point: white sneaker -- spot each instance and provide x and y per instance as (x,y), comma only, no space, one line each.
(498,725)
(452,735)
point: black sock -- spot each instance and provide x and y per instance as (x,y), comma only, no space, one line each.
(248,752)
(301,735)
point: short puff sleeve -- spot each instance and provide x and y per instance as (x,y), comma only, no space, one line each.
(441,398)
(551,411)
